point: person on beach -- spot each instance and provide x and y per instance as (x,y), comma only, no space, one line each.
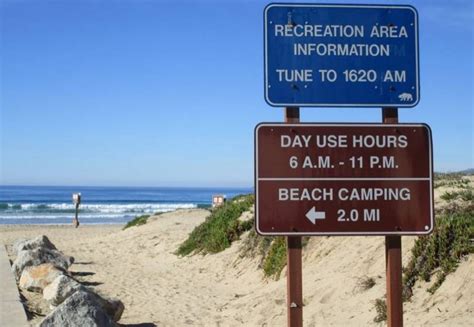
(76,200)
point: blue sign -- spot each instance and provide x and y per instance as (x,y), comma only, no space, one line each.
(321,55)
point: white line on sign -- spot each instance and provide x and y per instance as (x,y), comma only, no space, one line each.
(314,215)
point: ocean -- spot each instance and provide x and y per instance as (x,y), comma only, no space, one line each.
(99,205)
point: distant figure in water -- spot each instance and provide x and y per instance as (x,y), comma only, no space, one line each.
(76,200)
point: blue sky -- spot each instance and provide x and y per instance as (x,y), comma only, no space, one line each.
(167,93)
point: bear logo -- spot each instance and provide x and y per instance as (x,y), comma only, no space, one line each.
(405,97)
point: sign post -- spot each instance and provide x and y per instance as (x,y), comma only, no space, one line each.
(393,256)
(76,200)
(294,276)
(342,179)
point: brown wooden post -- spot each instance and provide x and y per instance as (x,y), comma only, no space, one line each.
(393,256)
(292,115)
(294,277)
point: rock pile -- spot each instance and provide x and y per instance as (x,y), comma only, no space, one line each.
(36,278)
(40,267)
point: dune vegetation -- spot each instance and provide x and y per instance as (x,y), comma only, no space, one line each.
(220,229)
(137,221)
(435,256)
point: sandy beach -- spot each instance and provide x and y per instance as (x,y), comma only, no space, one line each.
(138,266)
(185,163)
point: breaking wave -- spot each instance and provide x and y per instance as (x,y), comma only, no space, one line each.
(102,208)
(88,213)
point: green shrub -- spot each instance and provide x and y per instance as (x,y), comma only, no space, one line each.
(381,309)
(467,194)
(256,245)
(365,283)
(275,259)
(270,249)
(448,196)
(450,180)
(220,229)
(137,221)
(442,251)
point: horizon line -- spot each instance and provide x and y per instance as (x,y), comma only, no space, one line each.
(125,186)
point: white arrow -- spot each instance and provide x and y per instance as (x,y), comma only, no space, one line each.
(314,215)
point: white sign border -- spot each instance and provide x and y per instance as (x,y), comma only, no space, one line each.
(401,233)
(400,105)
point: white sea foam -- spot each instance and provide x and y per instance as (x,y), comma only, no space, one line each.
(101,208)
(54,213)
(64,216)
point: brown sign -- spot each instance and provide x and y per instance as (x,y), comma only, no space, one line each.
(343,179)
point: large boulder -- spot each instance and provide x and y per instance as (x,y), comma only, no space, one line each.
(36,278)
(38,256)
(113,307)
(60,289)
(79,310)
(64,286)
(41,241)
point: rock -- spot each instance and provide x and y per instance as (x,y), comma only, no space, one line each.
(60,289)
(38,256)
(36,278)
(18,243)
(113,307)
(41,241)
(64,286)
(79,310)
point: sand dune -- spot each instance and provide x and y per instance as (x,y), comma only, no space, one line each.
(139,266)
